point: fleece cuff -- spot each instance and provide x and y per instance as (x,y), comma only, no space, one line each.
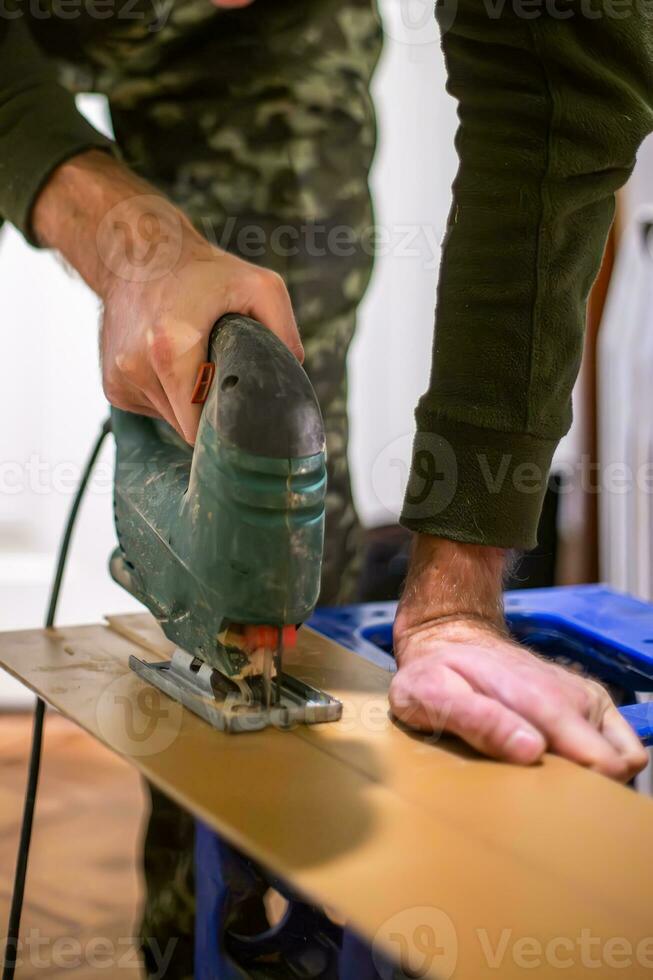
(477,485)
(39,130)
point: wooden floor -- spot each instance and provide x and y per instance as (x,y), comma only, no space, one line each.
(83,890)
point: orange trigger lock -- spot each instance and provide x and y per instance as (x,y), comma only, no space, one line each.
(205,375)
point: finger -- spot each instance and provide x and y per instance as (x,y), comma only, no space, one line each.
(148,399)
(270,305)
(127,400)
(495,730)
(619,733)
(420,695)
(552,706)
(159,400)
(140,408)
(439,703)
(147,410)
(577,739)
(175,371)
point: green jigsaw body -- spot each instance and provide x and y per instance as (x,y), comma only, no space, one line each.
(232,531)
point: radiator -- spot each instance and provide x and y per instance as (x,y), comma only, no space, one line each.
(625,415)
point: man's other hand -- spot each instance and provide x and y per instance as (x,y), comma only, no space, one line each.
(460,673)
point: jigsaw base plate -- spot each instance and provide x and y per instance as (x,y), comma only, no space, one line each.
(216,699)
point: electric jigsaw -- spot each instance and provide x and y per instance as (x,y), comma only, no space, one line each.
(223,543)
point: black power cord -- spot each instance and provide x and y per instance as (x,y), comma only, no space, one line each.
(13,930)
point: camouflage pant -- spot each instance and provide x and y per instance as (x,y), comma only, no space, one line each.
(259,123)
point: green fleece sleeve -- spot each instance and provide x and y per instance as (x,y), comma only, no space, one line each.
(39,124)
(554,100)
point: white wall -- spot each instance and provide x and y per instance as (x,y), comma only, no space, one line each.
(51,399)
(639,189)
(414,167)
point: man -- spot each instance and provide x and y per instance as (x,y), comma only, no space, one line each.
(260,116)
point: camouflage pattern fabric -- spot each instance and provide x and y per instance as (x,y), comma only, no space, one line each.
(259,124)
(169,912)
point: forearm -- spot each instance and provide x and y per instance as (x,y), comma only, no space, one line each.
(552,112)
(106,222)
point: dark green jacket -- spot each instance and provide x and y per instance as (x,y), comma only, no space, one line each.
(554,99)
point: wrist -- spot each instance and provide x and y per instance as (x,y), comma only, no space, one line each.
(141,239)
(452,587)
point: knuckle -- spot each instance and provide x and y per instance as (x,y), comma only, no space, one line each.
(399,693)
(161,348)
(554,703)
(273,281)
(585,700)
(131,369)
(416,699)
(114,392)
(636,759)
(590,699)
(405,706)
(595,691)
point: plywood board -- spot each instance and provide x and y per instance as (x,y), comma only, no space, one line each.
(474,869)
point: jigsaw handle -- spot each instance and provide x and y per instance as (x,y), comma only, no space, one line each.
(259,397)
